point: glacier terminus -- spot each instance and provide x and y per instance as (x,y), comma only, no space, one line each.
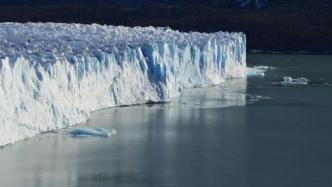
(53,75)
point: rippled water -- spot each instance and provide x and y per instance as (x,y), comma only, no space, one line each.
(252,132)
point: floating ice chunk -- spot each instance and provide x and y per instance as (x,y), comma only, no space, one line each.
(101,132)
(254,72)
(264,67)
(290,81)
(257,98)
(258,71)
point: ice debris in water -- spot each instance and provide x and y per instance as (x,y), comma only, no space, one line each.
(288,81)
(254,72)
(53,75)
(264,67)
(258,71)
(256,98)
(101,132)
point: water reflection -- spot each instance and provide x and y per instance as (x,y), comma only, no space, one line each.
(167,146)
(230,93)
(171,144)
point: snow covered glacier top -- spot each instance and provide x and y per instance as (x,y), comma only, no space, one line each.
(44,42)
(53,75)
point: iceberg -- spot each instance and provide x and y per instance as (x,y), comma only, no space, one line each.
(53,75)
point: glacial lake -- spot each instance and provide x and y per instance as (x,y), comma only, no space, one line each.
(245,133)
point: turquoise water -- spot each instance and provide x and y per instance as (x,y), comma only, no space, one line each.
(244,133)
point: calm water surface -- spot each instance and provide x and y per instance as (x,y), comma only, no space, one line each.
(245,133)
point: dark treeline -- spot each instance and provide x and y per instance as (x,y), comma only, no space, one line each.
(130,2)
(280,25)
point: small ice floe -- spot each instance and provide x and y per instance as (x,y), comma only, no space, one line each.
(264,67)
(256,98)
(253,72)
(100,132)
(289,81)
(258,71)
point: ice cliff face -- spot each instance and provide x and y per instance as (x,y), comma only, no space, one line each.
(53,75)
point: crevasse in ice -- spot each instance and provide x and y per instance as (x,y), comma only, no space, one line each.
(53,75)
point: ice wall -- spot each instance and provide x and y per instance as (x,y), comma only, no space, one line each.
(53,75)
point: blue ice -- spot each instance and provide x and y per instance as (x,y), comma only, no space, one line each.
(101,132)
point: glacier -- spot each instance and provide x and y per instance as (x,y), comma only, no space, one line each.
(53,75)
